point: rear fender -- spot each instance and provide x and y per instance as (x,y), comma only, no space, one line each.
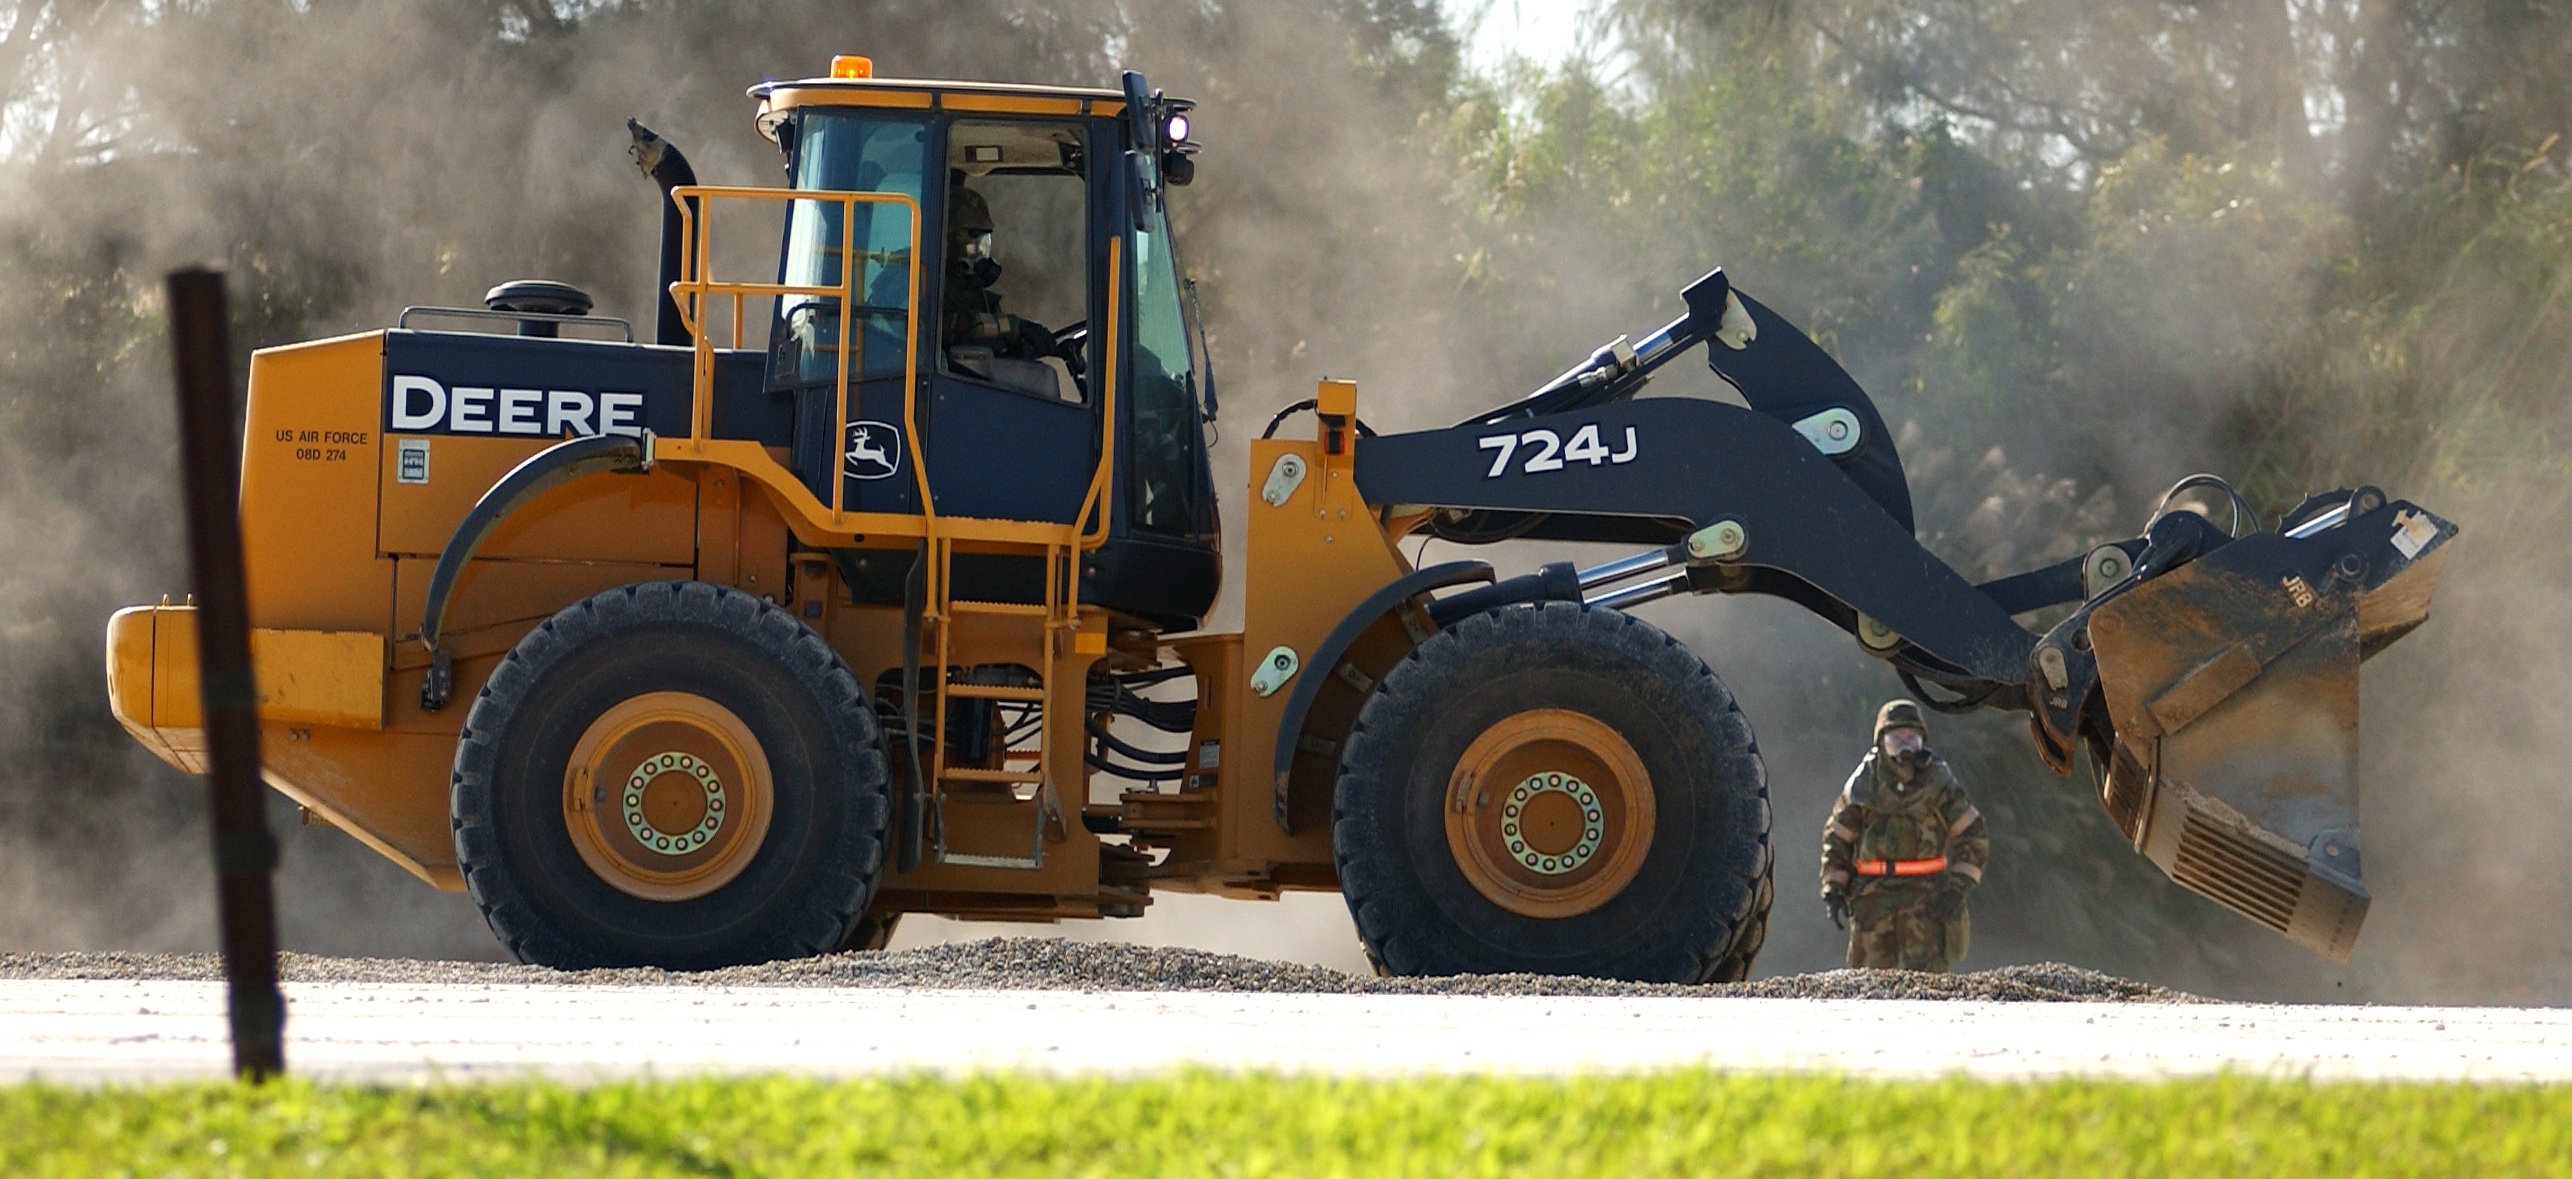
(542,472)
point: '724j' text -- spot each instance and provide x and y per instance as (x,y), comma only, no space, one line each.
(1546,451)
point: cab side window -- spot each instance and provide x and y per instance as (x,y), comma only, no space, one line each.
(1014,292)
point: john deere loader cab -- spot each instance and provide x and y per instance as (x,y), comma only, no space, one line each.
(1034,205)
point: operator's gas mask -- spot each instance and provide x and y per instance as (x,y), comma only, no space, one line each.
(1908,749)
(974,265)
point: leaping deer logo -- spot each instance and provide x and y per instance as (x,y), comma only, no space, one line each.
(874,450)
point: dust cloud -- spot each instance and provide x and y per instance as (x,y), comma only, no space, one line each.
(349,158)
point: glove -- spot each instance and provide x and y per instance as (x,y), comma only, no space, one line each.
(1033,339)
(1947,905)
(1838,907)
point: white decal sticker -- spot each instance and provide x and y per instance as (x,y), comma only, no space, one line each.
(411,461)
(1546,450)
(874,450)
(2412,532)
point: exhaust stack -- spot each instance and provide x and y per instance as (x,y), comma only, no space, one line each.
(668,167)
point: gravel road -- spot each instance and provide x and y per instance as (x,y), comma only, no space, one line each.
(143,1030)
(1058,964)
(1084,1007)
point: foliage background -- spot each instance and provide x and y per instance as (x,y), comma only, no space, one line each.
(2076,251)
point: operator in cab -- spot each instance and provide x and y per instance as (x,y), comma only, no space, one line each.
(1902,848)
(973,315)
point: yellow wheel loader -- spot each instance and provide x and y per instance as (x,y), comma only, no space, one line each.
(717,649)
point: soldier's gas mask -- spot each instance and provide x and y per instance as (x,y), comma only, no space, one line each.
(971,257)
(969,225)
(1908,749)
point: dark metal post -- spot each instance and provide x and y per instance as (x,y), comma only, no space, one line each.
(244,851)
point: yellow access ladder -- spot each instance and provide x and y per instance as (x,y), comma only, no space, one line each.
(1024,775)
(1059,606)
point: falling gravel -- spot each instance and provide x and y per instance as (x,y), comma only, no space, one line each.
(1058,964)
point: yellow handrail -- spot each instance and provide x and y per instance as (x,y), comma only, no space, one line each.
(696,286)
(695,289)
(1099,495)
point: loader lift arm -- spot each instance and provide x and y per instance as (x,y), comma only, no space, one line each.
(1693,465)
(2211,673)
(1779,371)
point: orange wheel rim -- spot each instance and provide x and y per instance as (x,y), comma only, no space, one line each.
(668,796)
(1549,813)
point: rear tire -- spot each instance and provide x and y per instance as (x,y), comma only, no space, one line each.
(670,774)
(1556,789)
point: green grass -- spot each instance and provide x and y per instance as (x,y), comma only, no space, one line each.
(1196,1123)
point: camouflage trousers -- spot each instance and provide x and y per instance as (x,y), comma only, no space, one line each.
(1890,929)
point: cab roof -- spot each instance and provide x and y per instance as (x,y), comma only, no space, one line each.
(778,98)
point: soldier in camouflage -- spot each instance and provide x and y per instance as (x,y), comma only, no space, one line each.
(973,314)
(1903,847)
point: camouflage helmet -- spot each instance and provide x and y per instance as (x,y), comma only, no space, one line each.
(1899,714)
(967,212)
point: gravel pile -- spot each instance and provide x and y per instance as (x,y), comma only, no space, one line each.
(1058,964)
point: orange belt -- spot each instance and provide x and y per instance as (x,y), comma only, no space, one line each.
(1928,867)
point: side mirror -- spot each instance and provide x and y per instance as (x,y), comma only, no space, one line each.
(1138,111)
(1140,190)
(1142,160)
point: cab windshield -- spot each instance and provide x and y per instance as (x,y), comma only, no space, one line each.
(1162,479)
(848,151)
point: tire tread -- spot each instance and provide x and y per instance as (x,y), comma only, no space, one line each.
(819,917)
(1720,946)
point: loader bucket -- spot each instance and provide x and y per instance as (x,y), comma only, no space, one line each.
(2232,686)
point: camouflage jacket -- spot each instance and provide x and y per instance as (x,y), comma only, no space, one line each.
(1873,821)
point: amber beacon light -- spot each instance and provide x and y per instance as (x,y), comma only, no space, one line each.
(850,65)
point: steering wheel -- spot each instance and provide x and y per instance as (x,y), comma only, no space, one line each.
(1071,343)
(1072,347)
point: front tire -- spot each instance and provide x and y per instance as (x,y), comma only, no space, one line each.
(1555,789)
(670,774)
